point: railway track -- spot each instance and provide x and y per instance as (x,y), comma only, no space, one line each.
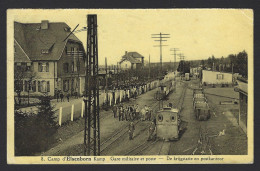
(117,135)
(140,148)
(105,145)
(164,147)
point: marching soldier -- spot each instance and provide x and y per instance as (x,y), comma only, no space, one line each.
(131,130)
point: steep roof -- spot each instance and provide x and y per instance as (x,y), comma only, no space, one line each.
(33,39)
(132,57)
(20,55)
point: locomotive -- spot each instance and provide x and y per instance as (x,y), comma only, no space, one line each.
(168,124)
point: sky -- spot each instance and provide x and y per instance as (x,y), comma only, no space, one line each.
(197,33)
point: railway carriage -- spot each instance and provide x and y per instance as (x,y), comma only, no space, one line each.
(202,111)
(200,104)
(168,124)
(164,89)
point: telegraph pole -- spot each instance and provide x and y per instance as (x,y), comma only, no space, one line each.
(182,57)
(106,81)
(161,38)
(92,124)
(174,53)
(149,69)
(117,74)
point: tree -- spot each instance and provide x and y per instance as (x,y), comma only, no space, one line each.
(184,67)
(241,63)
(46,121)
(35,132)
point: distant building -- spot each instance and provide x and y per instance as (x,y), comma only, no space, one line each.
(243,102)
(56,64)
(214,77)
(195,71)
(131,60)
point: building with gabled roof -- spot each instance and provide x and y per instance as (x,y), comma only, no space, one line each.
(56,60)
(131,60)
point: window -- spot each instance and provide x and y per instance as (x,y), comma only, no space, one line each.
(65,85)
(160,118)
(72,67)
(47,67)
(39,86)
(34,86)
(28,66)
(48,86)
(72,51)
(78,66)
(220,76)
(18,85)
(172,118)
(66,67)
(66,50)
(43,67)
(26,85)
(43,86)
(45,51)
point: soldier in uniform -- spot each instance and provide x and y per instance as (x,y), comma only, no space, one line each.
(114,109)
(149,113)
(126,113)
(131,130)
(120,113)
(151,131)
(137,110)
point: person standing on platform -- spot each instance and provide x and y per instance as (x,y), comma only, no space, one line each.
(137,111)
(151,131)
(61,97)
(68,97)
(114,109)
(131,130)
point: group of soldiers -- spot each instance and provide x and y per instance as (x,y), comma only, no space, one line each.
(133,112)
(128,113)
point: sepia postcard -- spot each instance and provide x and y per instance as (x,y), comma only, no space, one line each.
(130,86)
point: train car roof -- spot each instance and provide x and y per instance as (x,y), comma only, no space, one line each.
(169,109)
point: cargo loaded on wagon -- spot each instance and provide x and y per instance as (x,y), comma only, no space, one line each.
(200,105)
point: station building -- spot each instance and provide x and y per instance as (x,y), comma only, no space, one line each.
(47,60)
(131,60)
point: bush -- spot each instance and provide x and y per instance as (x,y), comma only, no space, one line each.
(35,133)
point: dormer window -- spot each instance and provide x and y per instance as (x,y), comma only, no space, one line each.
(43,67)
(45,51)
(67,29)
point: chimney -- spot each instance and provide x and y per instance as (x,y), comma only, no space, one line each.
(44,24)
(125,52)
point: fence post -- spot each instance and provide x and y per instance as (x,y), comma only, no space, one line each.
(60,116)
(82,108)
(72,112)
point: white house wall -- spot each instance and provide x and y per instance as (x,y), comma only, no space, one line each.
(210,77)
